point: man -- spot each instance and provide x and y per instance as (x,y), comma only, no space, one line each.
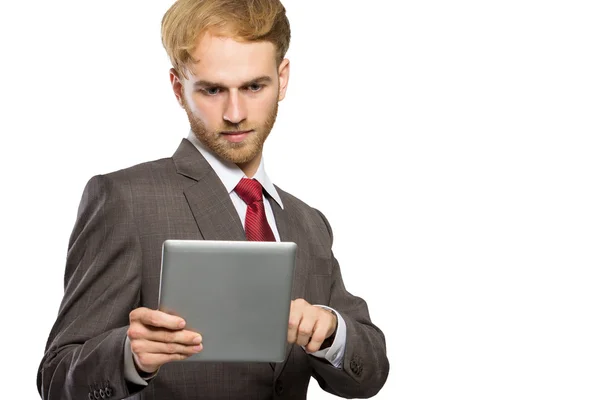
(109,341)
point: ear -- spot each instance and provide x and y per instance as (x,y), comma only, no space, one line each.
(177,85)
(284,76)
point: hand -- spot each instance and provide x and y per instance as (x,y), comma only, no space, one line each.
(309,325)
(157,338)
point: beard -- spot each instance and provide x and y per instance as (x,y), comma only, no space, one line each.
(237,153)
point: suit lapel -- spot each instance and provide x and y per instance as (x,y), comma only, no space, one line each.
(214,213)
(208,199)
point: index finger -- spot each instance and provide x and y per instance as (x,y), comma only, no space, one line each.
(157,319)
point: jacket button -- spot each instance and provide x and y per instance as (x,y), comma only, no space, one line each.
(279,387)
(90,396)
(96,395)
(102,394)
(108,391)
(353,366)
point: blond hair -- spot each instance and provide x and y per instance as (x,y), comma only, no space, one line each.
(243,20)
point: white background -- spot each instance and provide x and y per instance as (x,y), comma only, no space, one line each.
(454,147)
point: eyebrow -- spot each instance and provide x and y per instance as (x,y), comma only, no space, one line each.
(205,84)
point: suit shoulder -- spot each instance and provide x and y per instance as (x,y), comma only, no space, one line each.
(142,171)
(127,183)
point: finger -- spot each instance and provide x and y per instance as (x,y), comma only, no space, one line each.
(319,335)
(306,328)
(182,337)
(150,362)
(174,348)
(185,337)
(148,346)
(156,318)
(294,321)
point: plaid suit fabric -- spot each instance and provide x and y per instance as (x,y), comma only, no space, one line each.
(113,267)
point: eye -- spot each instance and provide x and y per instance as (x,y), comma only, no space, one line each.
(255,87)
(212,91)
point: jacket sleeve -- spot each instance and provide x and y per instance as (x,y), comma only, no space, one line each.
(85,349)
(365,366)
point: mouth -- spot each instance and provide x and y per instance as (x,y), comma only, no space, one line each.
(236,136)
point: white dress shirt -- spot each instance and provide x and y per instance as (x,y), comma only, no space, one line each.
(230,175)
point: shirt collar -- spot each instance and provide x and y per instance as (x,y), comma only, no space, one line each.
(230,174)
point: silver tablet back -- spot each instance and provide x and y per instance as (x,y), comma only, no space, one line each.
(236,294)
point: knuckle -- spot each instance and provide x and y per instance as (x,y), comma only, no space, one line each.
(137,313)
(171,348)
(136,347)
(143,358)
(293,322)
(304,331)
(168,337)
(133,332)
(318,337)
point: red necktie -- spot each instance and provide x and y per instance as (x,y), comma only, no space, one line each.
(257,227)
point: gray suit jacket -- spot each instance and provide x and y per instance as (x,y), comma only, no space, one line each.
(113,267)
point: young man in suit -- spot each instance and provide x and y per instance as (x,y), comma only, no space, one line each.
(109,341)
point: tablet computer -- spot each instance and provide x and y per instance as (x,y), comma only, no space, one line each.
(236,294)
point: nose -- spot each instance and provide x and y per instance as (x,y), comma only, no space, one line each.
(235,110)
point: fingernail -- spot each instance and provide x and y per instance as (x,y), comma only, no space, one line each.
(197,340)
(182,324)
(198,348)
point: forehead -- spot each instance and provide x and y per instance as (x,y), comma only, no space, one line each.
(226,60)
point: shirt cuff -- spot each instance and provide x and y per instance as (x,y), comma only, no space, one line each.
(131,373)
(335,353)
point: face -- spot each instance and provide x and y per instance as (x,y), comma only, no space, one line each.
(231,96)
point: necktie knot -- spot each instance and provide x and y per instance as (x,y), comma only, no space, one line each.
(249,190)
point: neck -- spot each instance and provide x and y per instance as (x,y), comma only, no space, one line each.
(249,168)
